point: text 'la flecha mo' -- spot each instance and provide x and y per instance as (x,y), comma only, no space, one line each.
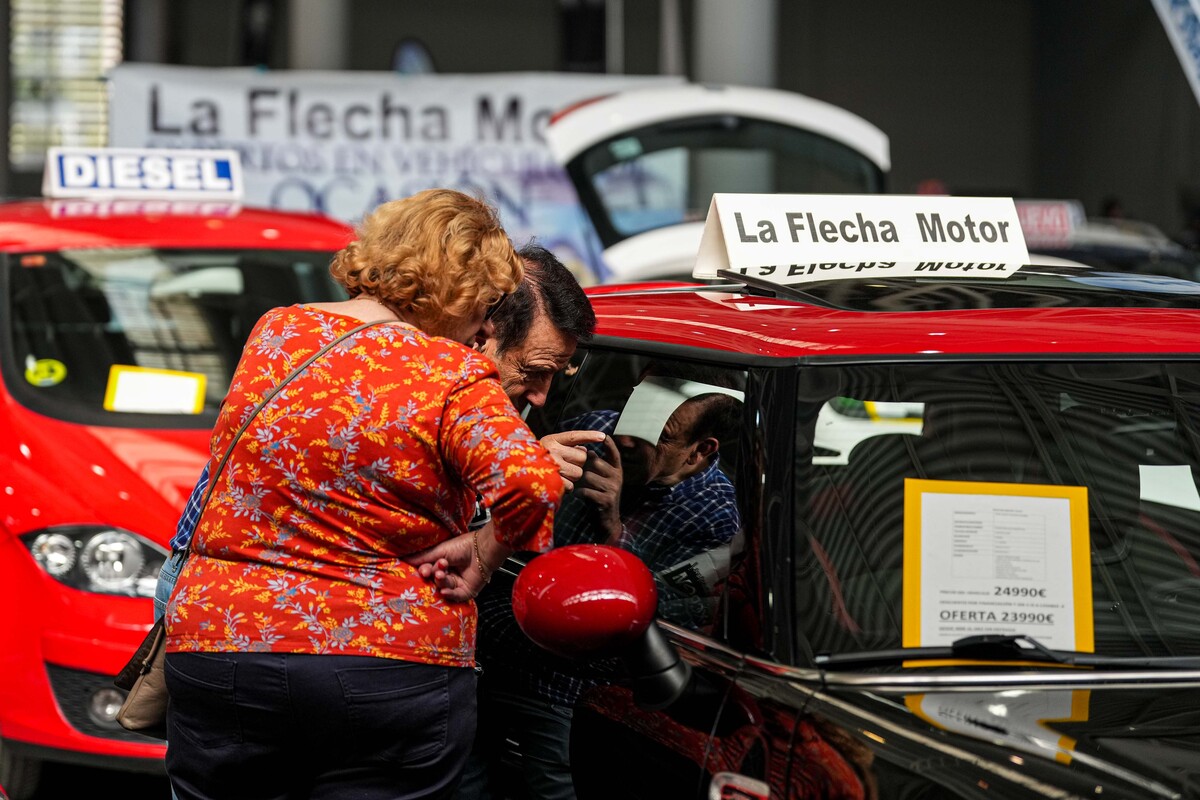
(932,228)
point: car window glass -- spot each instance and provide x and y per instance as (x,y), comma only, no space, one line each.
(72,317)
(666,173)
(678,507)
(1128,433)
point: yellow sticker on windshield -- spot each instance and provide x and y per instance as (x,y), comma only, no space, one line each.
(154,391)
(44,371)
(996,558)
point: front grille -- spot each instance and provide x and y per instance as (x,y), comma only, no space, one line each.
(73,689)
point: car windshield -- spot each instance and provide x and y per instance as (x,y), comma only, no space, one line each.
(141,337)
(666,174)
(1056,501)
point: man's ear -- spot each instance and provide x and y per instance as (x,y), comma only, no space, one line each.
(707,447)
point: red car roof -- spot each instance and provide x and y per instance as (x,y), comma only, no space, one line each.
(732,322)
(34,225)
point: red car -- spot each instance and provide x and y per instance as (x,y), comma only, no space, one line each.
(120,324)
(968,556)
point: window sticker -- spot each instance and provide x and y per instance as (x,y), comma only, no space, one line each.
(154,391)
(999,558)
(43,372)
(1169,485)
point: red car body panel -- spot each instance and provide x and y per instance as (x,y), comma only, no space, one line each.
(54,472)
(754,325)
(54,225)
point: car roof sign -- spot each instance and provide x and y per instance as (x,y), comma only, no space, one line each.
(1050,223)
(166,174)
(794,238)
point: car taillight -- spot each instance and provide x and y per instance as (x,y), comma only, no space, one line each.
(98,559)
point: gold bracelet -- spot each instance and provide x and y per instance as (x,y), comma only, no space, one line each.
(487,575)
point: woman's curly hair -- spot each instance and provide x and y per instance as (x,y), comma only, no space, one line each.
(437,256)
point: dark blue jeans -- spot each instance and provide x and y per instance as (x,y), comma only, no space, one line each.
(538,731)
(271,726)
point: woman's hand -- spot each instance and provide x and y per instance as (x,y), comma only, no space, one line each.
(449,566)
(462,566)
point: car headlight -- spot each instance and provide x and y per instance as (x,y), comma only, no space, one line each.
(99,559)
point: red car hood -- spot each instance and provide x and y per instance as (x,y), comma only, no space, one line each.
(59,473)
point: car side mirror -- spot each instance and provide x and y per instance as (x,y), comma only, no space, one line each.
(584,601)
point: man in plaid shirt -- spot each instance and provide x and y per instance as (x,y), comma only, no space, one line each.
(672,506)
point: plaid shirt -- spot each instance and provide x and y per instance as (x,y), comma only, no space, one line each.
(683,533)
(186,526)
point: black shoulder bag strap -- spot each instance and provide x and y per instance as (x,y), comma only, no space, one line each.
(151,651)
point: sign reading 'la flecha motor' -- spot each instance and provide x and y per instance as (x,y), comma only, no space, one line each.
(794,238)
(341,143)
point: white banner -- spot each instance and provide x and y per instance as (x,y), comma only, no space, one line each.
(340,143)
(1181,19)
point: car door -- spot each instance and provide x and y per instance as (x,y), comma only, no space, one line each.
(720,739)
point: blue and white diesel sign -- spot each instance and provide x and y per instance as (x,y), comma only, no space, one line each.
(164,174)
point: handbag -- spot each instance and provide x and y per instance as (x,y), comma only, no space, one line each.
(145,707)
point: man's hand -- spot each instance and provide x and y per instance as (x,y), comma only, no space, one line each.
(568,451)
(600,482)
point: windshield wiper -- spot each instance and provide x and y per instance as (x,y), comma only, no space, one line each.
(997,647)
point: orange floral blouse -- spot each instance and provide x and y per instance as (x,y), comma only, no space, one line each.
(374,452)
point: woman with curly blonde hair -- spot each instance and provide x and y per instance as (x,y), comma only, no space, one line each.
(433,260)
(305,656)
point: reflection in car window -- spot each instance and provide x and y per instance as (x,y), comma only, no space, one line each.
(673,431)
(72,316)
(1129,433)
(843,422)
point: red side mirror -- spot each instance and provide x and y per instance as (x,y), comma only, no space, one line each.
(584,600)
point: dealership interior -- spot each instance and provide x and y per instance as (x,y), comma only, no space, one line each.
(1063,99)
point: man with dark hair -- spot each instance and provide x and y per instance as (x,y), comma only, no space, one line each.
(535,331)
(538,326)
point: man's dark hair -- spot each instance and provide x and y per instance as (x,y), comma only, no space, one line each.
(720,417)
(548,288)
(720,414)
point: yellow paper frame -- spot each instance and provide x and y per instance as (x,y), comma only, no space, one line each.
(1081,558)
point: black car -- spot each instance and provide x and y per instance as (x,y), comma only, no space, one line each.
(968,562)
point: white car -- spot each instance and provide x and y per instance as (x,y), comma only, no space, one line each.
(646,162)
